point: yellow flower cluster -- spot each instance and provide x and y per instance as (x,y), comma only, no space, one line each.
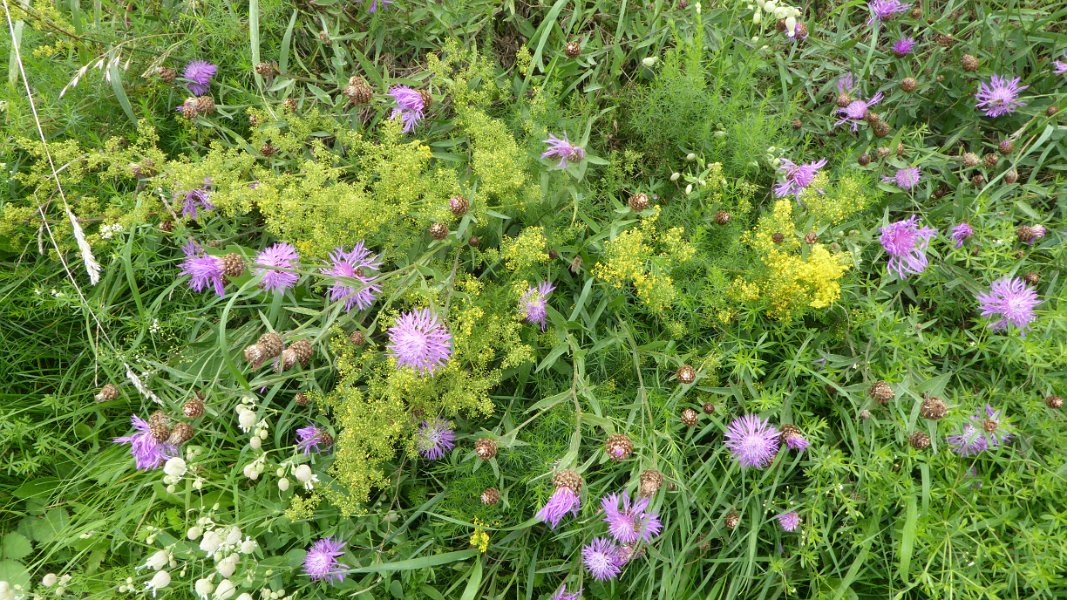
(528,249)
(844,198)
(642,257)
(480,539)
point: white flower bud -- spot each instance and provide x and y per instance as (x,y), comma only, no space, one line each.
(698,7)
(648,61)
(675,176)
(203,587)
(227,566)
(233,536)
(245,596)
(302,473)
(225,590)
(175,467)
(283,484)
(256,443)
(158,560)
(689,189)
(198,483)
(757,17)
(790,26)
(49,580)
(194,532)
(246,419)
(159,581)
(211,542)
(248,546)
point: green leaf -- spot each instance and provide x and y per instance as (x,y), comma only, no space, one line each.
(907,538)
(474,582)
(418,563)
(14,573)
(15,546)
(115,77)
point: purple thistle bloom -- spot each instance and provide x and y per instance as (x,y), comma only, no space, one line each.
(602,558)
(856,111)
(753,441)
(1059,67)
(534,303)
(980,434)
(374,5)
(797,177)
(845,84)
(961,232)
(1000,96)
(885,10)
(630,523)
(794,439)
(434,439)
(564,500)
(1035,233)
(196,199)
(905,178)
(420,341)
(563,595)
(148,453)
(903,46)
(312,438)
(269,263)
(203,270)
(563,150)
(1012,300)
(353,265)
(906,244)
(199,74)
(321,562)
(789,521)
(409,106)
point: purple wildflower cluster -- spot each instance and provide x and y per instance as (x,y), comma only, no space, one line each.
(410,106)
(420,341)
(355,283)
(1012,300)
(856,111)
(534,303)
(563,595)
(148,453)
(603,559)
(321,562)
(376,4)
(203,269)
(564,150)
(434,439)
(906,178)
(788,521)
(903,46)
(981,433)
(960,233)
(886,10)
(797,177)
(906,242)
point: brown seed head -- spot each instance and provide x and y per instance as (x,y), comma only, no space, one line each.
(193,408)
(970,159)
(1032,278)
(882,392)
(233,265)
(990,160)
(1051,111)
(301,399)
(254,355)
(189,108)
(303,350)
(650,482)
(919,440)
(618,447)
(357,338)
(797,124)
(864,160)
(882,152)
(573,49)
(708,408)
(568,479)
(909,84)
(1011,176)
(967,61)
(358,91)
(686,374)
(438,231)
(778,237)
(722,217)
(485,448)
(638,202)
(107,393)
(1006,146)
(474,241)
(266,69)
(490,496)
(271,344)
(933,408)
(290,105)
(732,519)
(689,417)
(167,74)
(843,100)
(182,432)
(267,150)
(881,129)
(458,205)
(1054,402)
(811,237)
(205,105)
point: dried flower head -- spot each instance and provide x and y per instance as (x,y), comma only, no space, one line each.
(618,447)
(933,408)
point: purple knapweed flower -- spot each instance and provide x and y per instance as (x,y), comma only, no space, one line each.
(794,439)
(629,523)
(905,178)
(563,150)
(789,521)
(905,243)
(148,453)
(1012,300)
(321,562)
(1000,96)
(312,438)
(845,84)
(203,270)
(420,341)
(357,288)
(1059,67)
(564,500)
(194,201)
(981,434)
(961,232)
(199,74)
(903,46)
(409,106)
(435,439)
(797,177)
(563,595)
(602,559)
(885,10)
(376,4)
(856,111)
(534,303)
(276,264)
(753,441)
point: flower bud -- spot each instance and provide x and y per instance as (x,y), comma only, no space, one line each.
(175,467)
(194,532)
(302,473)
(203,588)
(158,560)
(225,591)
(211,542)
(283,484)
(227,566)
(49,580)
(675,176)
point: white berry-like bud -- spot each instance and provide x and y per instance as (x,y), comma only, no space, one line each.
(247,419)
(233,536)
(225,590)
(175,467)
(302,473)
(691,157)
(256,443)
(227,566)
(203,587)
(159,581)
(49,580)
(158,560)
(194,532)
(689,189)
(283,484)
(791,26)
(248,546)
(675,176)
(211,542)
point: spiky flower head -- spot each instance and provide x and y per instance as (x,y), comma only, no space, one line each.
(148,451)
(276,265)
(1028,234)
(434,439)
(903,46)
(1059,67)
(797,177)
(628,520)
(1012,300)
(753,441)
(376,4)
(603,559)
(194,201)
(563,595)
(856,111)
(905,178)
(788,521)
(564,500)
(564,150)
(534,303)
(689,417)
(321,562)
(199,74)
(355,271)
(420,341)
(409,106)
(686,374)
(885,10)
(203,270)
(618,447)
(982,433)
(961,232)
(311,438)
(794,438)
(999,96)
(905,242)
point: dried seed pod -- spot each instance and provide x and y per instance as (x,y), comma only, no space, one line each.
(933,408)
(1011,176)
(182,432)
(689,417)
(618,447)
(1032,278)
(290,105)
(233,265)
(159,426)
(474,241)
(864,159)
(732,519)
(438,231)
(107,393)
(568,479)
(990,160)
(650,482)
(267,150)
(881,129)
(811,237)
(970,159)
(573,49)
(797,124)
(1051,111)
(458,205)
(1054,402)
(882,392)
(638,202)
(708,408)
(286,360)
(301,399)
(190,108)
(919,440)
(194,408)
(205,105)
(1006,147)
(967,61)
(254,355)
(686,374)
(357,338)
(843,100)
(427,99)
(778,237)
(485,448)
(909,84)
(303,351)
(266,69)
(358,91)
(167,74)
(722,217)
(490,496)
